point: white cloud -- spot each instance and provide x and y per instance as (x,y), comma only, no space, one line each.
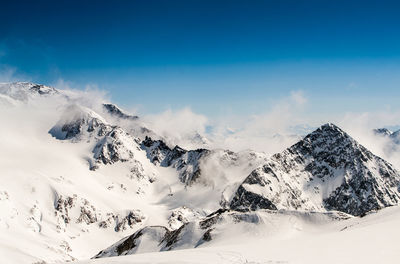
(178,125)
(360,126)
(269,131)
(8,74)
(88,95)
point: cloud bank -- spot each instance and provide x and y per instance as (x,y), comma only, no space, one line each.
(286,121)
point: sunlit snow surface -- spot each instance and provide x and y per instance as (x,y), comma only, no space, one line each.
(40,173)
(44,179)
(290,239)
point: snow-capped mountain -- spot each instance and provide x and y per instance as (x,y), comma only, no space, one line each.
(22,91)
(49,143)
(393,136)
(327,170)
(205,230)
(187,163)
(274,237)
(382,132)
(115,111)
(80,123)
(89,175)
(79,175)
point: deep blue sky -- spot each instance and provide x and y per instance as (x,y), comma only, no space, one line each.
(214,56)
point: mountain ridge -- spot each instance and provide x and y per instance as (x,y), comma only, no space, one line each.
(78,176)
(327,154)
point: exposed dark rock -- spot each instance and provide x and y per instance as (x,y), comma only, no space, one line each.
(187,163)
(247,200)
(79,123)
(326,170)
(171,237)
(42,89)
(115,146)
(130,244)
(115,111)
(131,219)
(207,235)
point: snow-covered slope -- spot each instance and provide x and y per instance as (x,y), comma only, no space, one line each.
(290,238)
(53,207)
(78,176)
(24,91)
(215,226)
(79,123)
(327,170)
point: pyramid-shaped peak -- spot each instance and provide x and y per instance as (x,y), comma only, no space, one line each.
(114,110)
(328,131)
(330,127)
(328,138)
(327,169)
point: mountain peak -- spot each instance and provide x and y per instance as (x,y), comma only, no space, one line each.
(330,126)
(113,110)
(382,132)
(42,89)
(22,91)
(327,138)
(77,119)
(327,170)
(330,129)
(32,87)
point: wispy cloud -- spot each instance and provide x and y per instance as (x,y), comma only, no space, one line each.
(9,74)
(268,131)
(177,125)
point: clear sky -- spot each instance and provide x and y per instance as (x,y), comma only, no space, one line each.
(214,56)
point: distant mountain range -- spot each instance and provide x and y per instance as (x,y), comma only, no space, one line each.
(393,136)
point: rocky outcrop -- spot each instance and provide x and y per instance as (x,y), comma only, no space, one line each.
(80,123)
(181,216)
(153,235)
(197,232)
(42,89)
(23,91)
(186,162)
(116,145)
(121,222)
(74,209)
(111,143)
(113,110)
